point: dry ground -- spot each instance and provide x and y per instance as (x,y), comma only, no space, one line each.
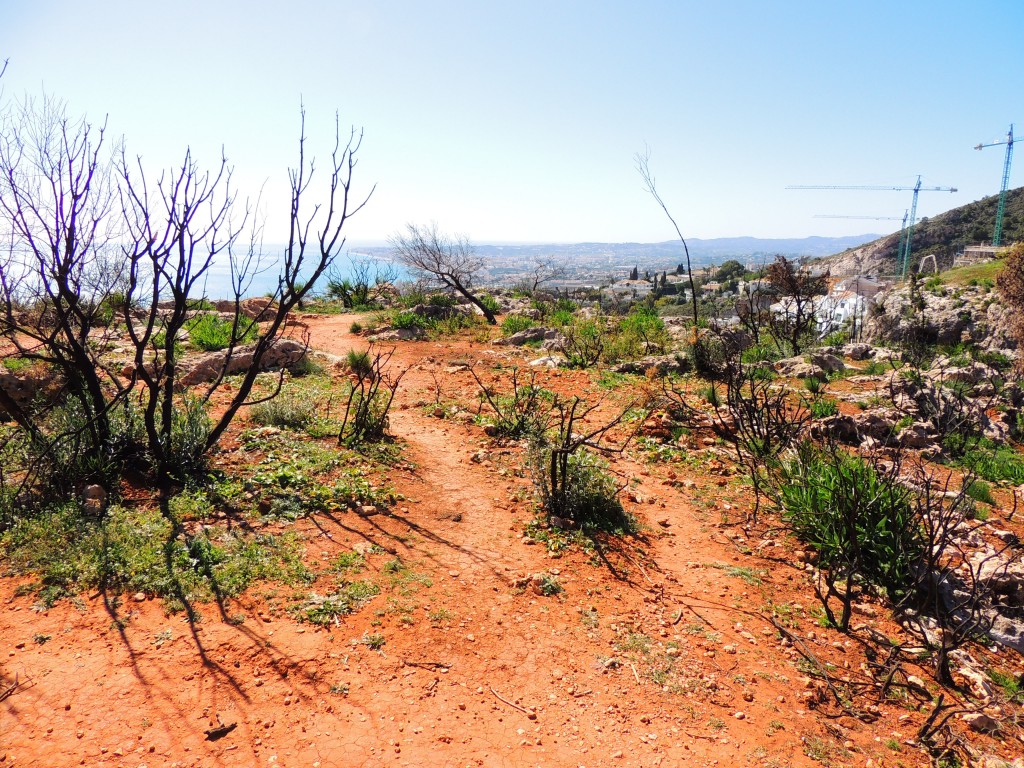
(658,651)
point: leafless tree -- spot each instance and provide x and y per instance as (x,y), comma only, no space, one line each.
(94,243)
(643,168)
(367,282)
(544,270)
(446,260)
(799,292)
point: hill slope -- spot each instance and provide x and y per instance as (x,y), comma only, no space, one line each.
(944,235)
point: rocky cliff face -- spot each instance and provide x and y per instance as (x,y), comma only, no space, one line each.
(944,316)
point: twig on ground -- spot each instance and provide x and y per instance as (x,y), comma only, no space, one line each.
(528,712)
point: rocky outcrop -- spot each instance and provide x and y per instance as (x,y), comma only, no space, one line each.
(284,353)
(251,309)
(799,368)
(661,364)
(945,316)
(529,335)
(439,311)
(400,334)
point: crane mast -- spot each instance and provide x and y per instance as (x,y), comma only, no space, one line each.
(907,234)
(997,234)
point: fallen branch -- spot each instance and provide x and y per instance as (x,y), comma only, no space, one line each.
(431,665)
(528,712)
(7,693)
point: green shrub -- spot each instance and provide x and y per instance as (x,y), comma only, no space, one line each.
(410,295)
(981,491)
(836,339)
(813,384)
(359,362)
(589,494)
(875,368)
(525,411)
(861,523)
(584,343)
(135,549)
(67,447)
(440,300)
(289,410)
(760,353)
(513,324)
(210,332)
(489,302)
(823,407)
(561,318)
(190,429)
(407,321)
(449,326)
(639,333)
(994,463)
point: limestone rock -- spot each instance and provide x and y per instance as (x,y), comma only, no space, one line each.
(284,353)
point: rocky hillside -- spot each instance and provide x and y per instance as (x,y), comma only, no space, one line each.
(947,315)
(944,235)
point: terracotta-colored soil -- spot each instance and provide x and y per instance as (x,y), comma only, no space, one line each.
(474,670)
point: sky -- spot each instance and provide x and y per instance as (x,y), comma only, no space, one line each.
(519,121)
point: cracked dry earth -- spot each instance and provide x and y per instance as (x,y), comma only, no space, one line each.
(656,652)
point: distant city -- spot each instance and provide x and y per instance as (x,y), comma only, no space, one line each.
(593,264)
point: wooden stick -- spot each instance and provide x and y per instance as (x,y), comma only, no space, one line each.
(529,713)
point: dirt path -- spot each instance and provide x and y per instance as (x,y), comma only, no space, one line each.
(646,658)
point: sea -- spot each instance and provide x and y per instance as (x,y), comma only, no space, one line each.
(264,280)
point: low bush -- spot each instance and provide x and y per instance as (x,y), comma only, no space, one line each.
(490,302)
(190,429)
(210,332)
(641,332)
(993,463)
(524,411)
(860,522)
(289,410)
(407,321)
(588,494)
(584,343)
(513,324)
(135,549)
(823,407)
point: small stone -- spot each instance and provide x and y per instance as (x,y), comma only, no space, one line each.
(979,721)
(740,715)
(139,597)
(916,682)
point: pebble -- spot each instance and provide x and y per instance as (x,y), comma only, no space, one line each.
(139,597)
(740,715)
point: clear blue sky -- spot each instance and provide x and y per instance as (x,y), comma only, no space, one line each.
(518,121)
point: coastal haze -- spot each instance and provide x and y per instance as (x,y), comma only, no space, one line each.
(592,264)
